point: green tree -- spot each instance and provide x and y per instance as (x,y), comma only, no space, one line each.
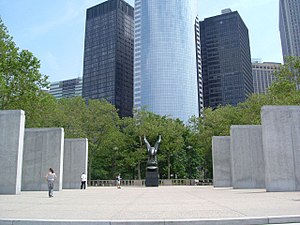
(217,122)
(144,123)
(20,81)
(98,121)
(71,114)
(173,155)
(102,128)
(193,147)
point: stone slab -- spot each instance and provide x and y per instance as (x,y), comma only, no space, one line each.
(281,143)
(12,125)
(75,162)
(247,157)
(221,161)
(43,148)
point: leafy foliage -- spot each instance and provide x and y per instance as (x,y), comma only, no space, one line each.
(284,91)
(20,79)
(116,145)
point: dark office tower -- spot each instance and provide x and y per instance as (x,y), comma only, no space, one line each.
(226,60)
(108,54)
(289,26)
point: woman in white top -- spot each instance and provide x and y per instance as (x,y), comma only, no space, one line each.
(50,177)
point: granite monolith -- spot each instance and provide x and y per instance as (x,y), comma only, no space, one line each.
(221,161)
(43,149)
(12,125)
(281,143)
(247,157)
(75,162)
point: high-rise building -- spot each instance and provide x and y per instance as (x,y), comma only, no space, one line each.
(263,75)
(199,67)
(165,60)
(226,60)
(108,54)
(66,88)
(289,26)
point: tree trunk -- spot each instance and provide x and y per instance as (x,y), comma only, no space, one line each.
(90,168)
(169,167)
(139,170)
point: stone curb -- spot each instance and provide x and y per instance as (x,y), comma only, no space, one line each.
(220,221)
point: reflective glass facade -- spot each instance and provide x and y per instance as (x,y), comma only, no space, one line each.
(289,26)
(226,60)
(165,61)
(108,54)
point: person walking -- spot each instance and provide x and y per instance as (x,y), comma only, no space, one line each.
(83,180)
(119,181)
(50,177)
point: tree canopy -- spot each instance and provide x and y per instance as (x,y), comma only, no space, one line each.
(116,144)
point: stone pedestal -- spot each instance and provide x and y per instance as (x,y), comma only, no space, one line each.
(12,125)
(152,178)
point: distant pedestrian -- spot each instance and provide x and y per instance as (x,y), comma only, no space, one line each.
(83,180)
(119,181)
(50,177)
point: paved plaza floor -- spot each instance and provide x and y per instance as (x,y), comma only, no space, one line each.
(166,203)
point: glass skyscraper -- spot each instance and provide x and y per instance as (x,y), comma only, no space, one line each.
(166,80)
(108,54)
(226,60)
(289,26)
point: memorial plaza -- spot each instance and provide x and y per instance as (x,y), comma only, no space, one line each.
(256,179)
(151,205)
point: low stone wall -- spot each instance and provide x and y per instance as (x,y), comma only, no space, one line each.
(162,182)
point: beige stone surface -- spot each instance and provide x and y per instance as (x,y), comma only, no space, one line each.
(140,203)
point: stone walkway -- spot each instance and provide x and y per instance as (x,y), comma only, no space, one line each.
(162,205)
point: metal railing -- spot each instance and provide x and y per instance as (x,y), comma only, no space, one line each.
(162,182)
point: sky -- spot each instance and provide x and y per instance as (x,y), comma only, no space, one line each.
(54,30)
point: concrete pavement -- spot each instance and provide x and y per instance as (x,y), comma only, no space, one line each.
(163,205)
